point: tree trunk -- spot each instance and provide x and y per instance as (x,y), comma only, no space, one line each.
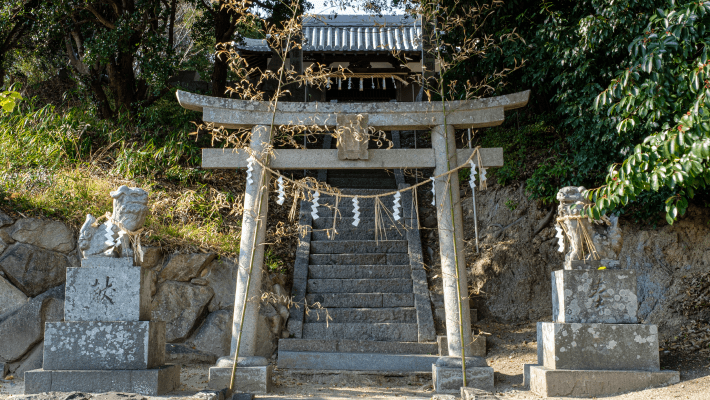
(222,31)
(104,108)
(123,82)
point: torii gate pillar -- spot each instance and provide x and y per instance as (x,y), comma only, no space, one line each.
(447,373)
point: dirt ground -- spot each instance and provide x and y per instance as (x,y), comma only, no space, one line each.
(509,347)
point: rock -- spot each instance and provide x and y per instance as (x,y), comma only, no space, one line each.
(215,335)
(50,235)
(5,236)
(10,297)
(151,257)
(32,361)
(24,327)
(5,219)
(179,305)
(181,354)
(430,221)
(221,276)
(33,270)
(183,267)
(3,246)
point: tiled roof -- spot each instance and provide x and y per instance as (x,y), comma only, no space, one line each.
(354,33)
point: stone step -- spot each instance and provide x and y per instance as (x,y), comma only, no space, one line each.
(356,234)
(357,346)
(359,271)
(358,246)
(364,182)
(359,286)
(360,300)
(356,361)
(395,332)
(364,315)
(357,379)
(367,221)
(359,259)
(345,211)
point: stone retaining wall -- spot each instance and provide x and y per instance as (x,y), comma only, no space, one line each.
(192,293)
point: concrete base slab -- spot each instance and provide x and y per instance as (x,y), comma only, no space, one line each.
(247,380)
(526,374)
(357,361)
(547,382)
(450,380)
(149,382)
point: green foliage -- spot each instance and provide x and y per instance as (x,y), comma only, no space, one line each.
(511,204)
(8,100)
(662,96)
(158,145)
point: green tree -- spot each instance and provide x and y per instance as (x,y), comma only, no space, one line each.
(663,95)
(122,49)
(17,19)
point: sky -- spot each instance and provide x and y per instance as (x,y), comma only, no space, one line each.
(325,7)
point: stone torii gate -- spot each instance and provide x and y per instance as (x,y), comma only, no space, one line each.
(253,373)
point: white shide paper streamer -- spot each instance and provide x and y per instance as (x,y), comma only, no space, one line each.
(281,190)
(250,169)
(396,206)
(560,239)
(433,191)
(314,205)
(356,212)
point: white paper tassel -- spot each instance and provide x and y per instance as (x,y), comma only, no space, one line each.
(250,169)
(350,83)
(472,178)
(561,239)
(384,83)
(433,191)
(314,205)
(356,212)
(340,84)
(281,190)
(109,234)
(483,176)
(396,206)
(394,83)
(327,84)
(361,84)
(373,82)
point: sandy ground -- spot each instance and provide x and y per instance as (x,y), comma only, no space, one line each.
(507,352)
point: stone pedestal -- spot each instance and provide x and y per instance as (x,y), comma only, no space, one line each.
(448,375)
(253,375)
(106,343)
(594,347)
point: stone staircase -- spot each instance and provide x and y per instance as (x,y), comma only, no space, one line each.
(367,292)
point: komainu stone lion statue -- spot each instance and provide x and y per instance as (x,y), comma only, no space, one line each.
(598,242)
(112,238)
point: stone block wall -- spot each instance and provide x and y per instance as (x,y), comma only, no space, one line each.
(192,293)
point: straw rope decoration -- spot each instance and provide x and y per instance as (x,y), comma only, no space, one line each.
(322,191)
(583,233)
(301,188)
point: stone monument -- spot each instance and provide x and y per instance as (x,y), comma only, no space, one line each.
(595,345)
(107,342)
